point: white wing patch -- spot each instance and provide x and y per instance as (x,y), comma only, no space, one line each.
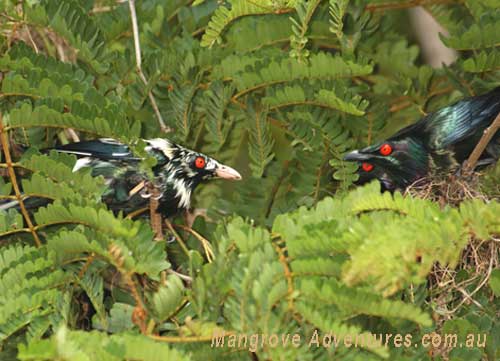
(82,163)
(74,152)
(110,141)
(164,145)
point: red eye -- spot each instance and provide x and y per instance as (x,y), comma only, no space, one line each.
(199,162)
(385,149)
(367,167)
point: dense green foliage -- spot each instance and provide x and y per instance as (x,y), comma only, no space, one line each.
(279,89)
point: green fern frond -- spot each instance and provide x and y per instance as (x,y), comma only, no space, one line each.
(485,61)
(70,345)
(337,9)
(476,37)
(214,104)
(72,22)
(168,298)
(261,142)
(223,16)
(27,116)
(93,285)
(294,95)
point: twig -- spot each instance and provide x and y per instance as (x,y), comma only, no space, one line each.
(178,238)
(15,186)
(180,275)
(483,282)
(138,63)
(483,143)
(204,242)
(33,44)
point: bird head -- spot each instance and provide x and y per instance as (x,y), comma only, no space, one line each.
(197,167)
(396,163)
(179,170)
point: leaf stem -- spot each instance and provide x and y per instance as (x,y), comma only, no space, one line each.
(13,179)
(178,238)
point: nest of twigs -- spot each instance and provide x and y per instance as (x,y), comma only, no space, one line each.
(451,190)
(451,289)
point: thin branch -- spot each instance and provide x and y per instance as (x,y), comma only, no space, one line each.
(180,275)
(138,63)
(15,186)
(483,143)
(178,238)
(204,242)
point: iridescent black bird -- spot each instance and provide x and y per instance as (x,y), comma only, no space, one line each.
(177,173)
(437,144)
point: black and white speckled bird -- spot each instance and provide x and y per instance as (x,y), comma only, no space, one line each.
(177,173)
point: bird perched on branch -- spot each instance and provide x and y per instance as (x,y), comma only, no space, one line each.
(437,144)
(176,174)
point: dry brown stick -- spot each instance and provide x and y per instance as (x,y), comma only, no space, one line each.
(481,145)
(13,179)
(138,64)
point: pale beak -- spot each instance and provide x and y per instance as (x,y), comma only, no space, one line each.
(356,156)
(225,172)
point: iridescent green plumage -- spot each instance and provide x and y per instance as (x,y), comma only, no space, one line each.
(436,144)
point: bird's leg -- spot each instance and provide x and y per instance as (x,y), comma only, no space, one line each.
(190,216)
(156,221)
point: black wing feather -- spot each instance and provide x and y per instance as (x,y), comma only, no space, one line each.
(104,149)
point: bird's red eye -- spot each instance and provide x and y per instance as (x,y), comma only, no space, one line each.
(199,162)
(385,149)
(367,167)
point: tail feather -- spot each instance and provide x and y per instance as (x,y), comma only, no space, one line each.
(30,203)
(6,206)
